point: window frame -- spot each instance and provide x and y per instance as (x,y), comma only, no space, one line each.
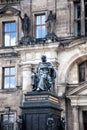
(8,123)
(34,21)
(9,32)
(9,19)
(85,3)
(41,25)
(77,19)
(9,77)
(83,19)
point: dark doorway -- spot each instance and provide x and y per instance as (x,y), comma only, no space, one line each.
(85,119)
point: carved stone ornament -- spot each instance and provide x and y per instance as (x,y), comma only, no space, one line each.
(8,10)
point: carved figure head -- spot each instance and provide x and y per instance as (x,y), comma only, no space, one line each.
(43,58)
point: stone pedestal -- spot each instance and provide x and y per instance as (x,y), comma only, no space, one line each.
(41,111)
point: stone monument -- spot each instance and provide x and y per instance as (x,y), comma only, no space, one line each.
(41,109)
(44,76)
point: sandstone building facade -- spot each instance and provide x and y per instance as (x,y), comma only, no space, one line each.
(68,54)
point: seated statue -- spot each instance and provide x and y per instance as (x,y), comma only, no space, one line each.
(43,76)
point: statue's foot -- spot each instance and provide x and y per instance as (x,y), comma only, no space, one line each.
(38,89)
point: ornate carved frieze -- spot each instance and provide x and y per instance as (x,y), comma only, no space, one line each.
(9,54)
(83,48)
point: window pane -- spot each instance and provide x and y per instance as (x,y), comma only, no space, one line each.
(12,71)
(43,19)
(12,82)
(13,26)
(5,118)
(6,82)
(5,127)
(10,127)
(37,20)
(86,10)
(7,39)
(13,38)
(77,11)
(43,31)
(86,27)
(11,118)
(6,70)
(38,32)
(82,72)
(7,27)
(77,28)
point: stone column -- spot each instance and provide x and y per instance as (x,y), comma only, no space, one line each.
(75,118)
(26,83)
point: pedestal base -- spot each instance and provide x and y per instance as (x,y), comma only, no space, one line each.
(41,111)
(52,37)
(25,40)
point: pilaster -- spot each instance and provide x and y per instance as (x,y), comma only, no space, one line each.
(75,118)
(26,83)
(82,18)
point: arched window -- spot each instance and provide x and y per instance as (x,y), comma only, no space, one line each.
(83,71)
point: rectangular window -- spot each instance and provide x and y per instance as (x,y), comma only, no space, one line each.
(7,122)
(77,19)
(40,26)
(9,33)
(82,72)
(9,78)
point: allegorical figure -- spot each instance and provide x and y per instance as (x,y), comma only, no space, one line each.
(25,24)
(44,75)
(50,22)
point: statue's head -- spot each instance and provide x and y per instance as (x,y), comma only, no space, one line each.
(50,11)
(43,58)
(25,15)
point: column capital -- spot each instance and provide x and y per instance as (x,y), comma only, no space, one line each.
(75,107)
(26,66)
